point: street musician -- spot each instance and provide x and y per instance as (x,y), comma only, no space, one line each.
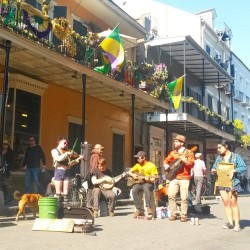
(229,195)
(63,159)
(146,173)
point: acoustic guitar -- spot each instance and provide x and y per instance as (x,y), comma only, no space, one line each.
(176,165)
(110,185)
(141,179)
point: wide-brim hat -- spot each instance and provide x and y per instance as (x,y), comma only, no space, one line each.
(180,138)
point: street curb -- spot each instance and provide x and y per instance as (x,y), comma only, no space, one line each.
(12,210)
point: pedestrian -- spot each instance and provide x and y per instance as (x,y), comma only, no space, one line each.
(144,174)
(63,159)
(7,161)
(182,178)
(96,154)
(32,165)
(199,172)
(102,175)
(230,195)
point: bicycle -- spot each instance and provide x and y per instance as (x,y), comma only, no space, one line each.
(206,188)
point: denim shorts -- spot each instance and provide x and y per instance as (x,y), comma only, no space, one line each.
(61,174)
(236,188)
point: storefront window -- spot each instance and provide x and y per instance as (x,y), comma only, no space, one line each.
(22,121)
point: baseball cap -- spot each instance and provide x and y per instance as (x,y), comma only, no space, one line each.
(141,154)
(198,155)
(97,146)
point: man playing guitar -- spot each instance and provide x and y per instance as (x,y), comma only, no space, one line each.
(182,178)
(102,175)
(149,171)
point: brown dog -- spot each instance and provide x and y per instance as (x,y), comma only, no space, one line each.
(30,200)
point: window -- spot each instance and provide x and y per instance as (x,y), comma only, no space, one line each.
(59,11)
(26,108)
(208,49)
(75,132)
(228,113)
(117,159)
(35,4)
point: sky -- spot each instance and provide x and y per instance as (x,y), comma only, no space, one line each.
(235,14)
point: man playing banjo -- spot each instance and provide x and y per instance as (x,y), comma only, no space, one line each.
(103,184)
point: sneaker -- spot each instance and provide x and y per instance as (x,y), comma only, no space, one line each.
(237,229)
(228,226)
(95,213)
(111,213)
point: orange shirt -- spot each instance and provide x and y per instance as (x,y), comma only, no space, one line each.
(184,173)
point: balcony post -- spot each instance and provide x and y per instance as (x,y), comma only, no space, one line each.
(133,129)
(84,80)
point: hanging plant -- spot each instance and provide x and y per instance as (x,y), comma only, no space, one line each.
(245,139)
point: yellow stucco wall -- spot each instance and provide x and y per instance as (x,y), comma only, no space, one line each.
(102,119)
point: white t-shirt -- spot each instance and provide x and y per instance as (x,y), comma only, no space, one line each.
(199,168)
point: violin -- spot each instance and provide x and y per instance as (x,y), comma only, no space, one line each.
(73,154)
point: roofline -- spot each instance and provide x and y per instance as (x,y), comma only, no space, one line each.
(126,16)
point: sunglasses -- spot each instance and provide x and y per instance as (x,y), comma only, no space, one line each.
(5,144)
(31,140)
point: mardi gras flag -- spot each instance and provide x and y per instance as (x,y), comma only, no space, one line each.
(175,90)
(105,68)
(113,47)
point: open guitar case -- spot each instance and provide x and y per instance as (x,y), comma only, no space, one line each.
(80,213)
(199,209)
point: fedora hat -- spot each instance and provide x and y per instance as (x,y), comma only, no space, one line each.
(180,138)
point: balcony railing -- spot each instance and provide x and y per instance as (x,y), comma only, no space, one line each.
(214,121)
(57,36)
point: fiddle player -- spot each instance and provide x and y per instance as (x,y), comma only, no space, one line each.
(145,168)
(63,159)
(230,195)
(182,179)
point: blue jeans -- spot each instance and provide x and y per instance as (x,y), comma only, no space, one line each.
(33,174)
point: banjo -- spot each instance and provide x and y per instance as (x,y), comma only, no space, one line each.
(109,185)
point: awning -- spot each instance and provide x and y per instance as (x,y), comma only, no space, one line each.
(128,41)
(188,125)
(185,51)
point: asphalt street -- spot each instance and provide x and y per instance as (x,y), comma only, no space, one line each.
(125,232)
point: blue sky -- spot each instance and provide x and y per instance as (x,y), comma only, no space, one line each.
(236,15)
